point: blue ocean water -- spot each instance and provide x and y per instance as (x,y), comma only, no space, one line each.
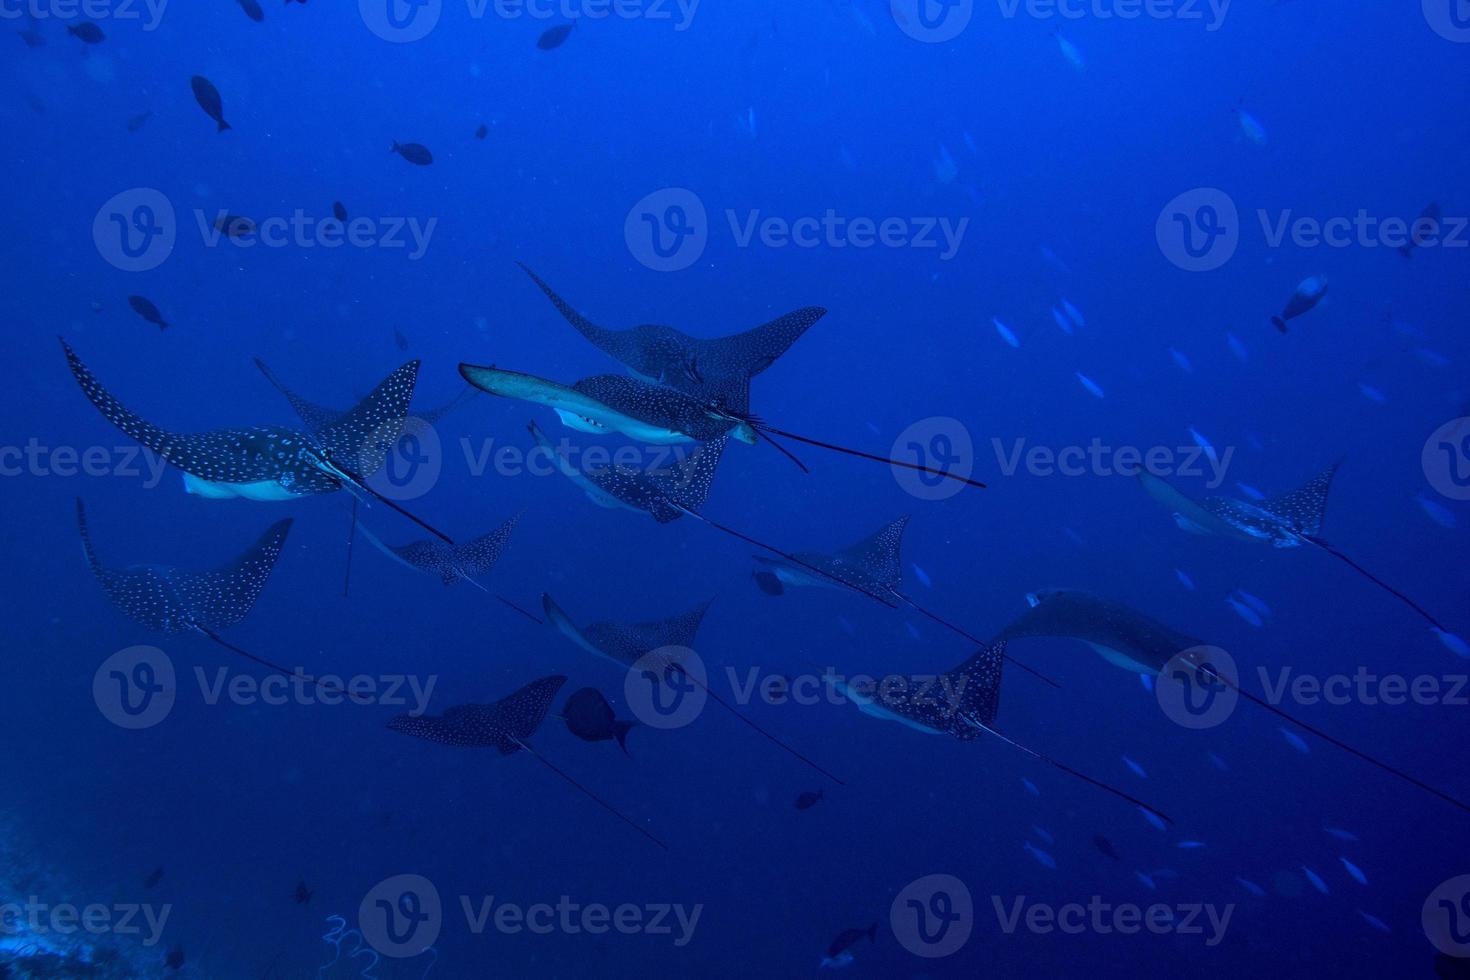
(654,168)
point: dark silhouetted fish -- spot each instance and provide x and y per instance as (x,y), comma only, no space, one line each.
(271,463)
(629,644)
(644,412)
(1426,229)
(208,98)
(32,35)
(962,702)
(693,365)
(554,37)
(339,211)
(809,799)
(839,952)
(175,958)
(504,726)
(1289,520)
(156,875)
(1105,846)
(175,600)
(400,339)
(482,132)
(414,153)
(1130,640)
(234,225)
(137,122)
(252,10)
(303,894)
(591,718)
(87,32)
(1308,294)
(145,308)
(872,567)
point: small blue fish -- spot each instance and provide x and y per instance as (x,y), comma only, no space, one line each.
(1341,834)
(1090,385)
(914,631)
(1255,602)
(1454,644)
(923,576)
(1294,740)
(1070,52)
(1137,769)
(846,626)
(945,168)
(1153,818)
(1316,880)
(1436,511)
(1371,393)
(1251,127)
(1190,845)
(1147,880)
(1006,333)
(1042,858)
(1431,357)
(1252,887)
(1236,347)
(1044,834)
(1182,360)
(1250,491)
(1054,260)
(1030,786)
(1203,443)
(1062,320)
(1244,612)
(1074,314)
(1184,579)
(1218,762)
(1354,870)
(1374,921)
(1147,681)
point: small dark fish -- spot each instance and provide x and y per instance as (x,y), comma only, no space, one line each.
(175,958)
(554,37)
(208,98)
(1424,229)
(415,153)
(1105,846)
(137,122)
(1303,301)
(154,877)
(480,133)
(145,309)
(87,33)
(839,953)
(252,10)
(769,583)
(234,226)
(32,37)
(590,718)
(339,210)
(399,339)
(303,894)
(808,800)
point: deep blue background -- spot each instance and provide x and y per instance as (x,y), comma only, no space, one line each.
(1366,109)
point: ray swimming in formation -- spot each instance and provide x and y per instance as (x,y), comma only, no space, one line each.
(1132,641)
(962,703)
(1289,520)
(702,368)
(504,726)
(451,563)
(872,567)
(628,645)
(271,463)
(176,600)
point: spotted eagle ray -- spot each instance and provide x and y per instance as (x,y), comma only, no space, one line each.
(629,645)
(175,600)
(698,367)
(505,726)
(962,702)
(452,563)
(1289,520)
(872,567)
(272,463)
(660,415)
(1132,641)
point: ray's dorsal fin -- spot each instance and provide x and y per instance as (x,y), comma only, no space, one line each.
(877,555)
(363,437)
(317,417)
(220,598)
(688,486)
(607,340)
(755,350)
(1305,508)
